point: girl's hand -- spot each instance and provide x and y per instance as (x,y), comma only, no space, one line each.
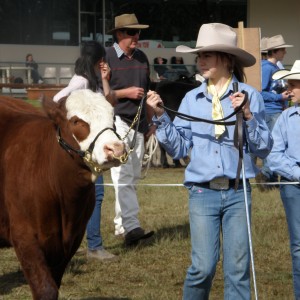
(153,100)
(105,70)
(236,100)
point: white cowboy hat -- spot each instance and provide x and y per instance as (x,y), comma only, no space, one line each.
(294,73)
(221,38)
(276,42)
(129,21)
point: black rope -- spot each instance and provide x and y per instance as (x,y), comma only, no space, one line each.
(238,130)
(215,122)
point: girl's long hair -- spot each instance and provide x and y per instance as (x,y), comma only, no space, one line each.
(91,53)
(233,65)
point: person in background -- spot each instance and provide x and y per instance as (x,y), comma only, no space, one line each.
(160,67)
(36,77)
(284,159)
(90,69)
(263,46)
(178,65)
(214,204)
(273,93)
(130,79)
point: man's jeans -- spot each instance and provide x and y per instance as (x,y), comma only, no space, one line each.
(270,120)
(94,238)
(210,212)
(290,195)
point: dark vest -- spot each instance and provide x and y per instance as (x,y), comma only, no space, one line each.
(125,73)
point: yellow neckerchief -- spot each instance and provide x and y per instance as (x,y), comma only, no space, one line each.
(217,110)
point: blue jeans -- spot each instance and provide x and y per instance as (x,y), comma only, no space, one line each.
(290,195)
(94,238)
(270,120)
(212,212)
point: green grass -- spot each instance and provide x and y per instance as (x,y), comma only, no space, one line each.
(156,271)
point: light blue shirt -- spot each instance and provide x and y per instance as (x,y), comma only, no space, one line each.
(284,158)
(211,157)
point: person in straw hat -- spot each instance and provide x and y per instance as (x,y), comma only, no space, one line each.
(273,92)
(263,45)
(284,159)
(214,204)
(130,79)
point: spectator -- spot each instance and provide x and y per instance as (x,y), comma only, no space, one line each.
(89,68)
(36,77)
(160,67)
(178,65)
(129,78)
(284,159)
(273,93)
(214,205)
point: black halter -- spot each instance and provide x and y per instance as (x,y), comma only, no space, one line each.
(87,155)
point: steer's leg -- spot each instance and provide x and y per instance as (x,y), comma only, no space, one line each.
(33,263)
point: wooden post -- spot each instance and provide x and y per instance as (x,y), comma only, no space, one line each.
(249,40)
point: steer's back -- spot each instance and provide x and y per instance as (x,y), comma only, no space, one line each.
(20,124)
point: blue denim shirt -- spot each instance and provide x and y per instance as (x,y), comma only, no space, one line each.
(211,157)
(284,158)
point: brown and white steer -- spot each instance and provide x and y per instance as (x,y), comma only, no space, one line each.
(47,192)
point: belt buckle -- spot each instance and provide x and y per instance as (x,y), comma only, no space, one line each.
(219,183)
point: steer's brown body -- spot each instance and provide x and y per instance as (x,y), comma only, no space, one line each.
(46,193)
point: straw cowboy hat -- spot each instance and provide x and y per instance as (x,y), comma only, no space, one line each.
(294,73)
(276,42)
(221,38)
(127,21)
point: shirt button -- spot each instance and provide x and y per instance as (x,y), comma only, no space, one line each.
(217,151)
(218,166)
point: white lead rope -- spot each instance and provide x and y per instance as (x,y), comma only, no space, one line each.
(180,184)
(249,229)
(150,149)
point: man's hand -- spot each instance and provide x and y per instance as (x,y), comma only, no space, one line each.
(134,92)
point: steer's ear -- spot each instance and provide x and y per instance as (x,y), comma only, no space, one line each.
(55,111)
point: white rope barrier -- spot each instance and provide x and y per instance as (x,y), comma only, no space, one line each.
(180,184)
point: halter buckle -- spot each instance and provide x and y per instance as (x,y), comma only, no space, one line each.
(94,167)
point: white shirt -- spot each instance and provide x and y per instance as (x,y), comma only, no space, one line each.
(76,83)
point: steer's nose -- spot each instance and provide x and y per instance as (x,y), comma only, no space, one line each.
(114,150)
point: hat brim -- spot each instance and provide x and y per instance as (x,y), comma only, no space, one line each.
(286,74)
(137,26)
(279,47)
(244,57)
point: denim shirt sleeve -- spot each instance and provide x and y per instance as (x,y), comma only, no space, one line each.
(176,141)
(284,157)
(258,136)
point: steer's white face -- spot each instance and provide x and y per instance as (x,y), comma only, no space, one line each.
(97,112)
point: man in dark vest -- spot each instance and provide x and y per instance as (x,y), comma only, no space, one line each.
(130,79)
